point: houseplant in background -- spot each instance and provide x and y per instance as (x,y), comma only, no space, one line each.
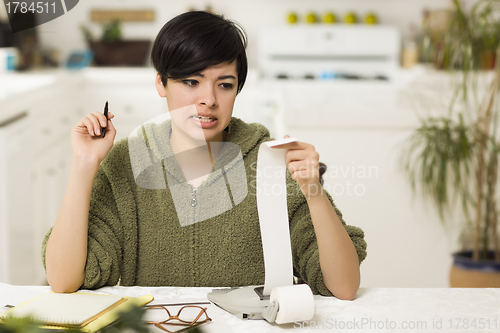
(453,158)
(113,50)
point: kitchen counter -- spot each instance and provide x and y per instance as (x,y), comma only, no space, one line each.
(17,90)
(13,84)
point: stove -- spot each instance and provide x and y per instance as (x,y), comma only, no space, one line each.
(357,52)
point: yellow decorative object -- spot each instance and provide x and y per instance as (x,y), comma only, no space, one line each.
(330,18)
(106,16)
(311,18)
(292,18)
(350,18)
(371,18)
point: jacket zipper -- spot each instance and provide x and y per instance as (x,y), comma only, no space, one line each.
(193,199)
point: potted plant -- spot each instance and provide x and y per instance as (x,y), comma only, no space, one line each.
(112,50)
(453,158)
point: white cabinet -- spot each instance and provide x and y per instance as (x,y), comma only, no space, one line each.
(34,167)
(16,232)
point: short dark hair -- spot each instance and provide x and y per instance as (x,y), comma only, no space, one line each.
(193,41)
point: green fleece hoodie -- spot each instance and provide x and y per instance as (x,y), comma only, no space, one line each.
(135,236)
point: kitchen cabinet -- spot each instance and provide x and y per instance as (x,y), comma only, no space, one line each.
(16,235)
(34,171)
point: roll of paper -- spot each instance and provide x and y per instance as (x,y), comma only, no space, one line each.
(273,215)
(295,303)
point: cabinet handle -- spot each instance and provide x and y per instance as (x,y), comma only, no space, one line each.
(13,119)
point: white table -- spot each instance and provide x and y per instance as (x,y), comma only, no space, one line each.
(373,310)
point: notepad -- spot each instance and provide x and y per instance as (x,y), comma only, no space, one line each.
(75,309)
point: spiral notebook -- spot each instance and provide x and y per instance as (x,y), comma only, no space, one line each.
(73,310)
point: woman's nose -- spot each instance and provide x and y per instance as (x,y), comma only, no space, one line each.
(207,97)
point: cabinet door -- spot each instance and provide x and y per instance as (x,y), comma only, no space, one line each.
(16,215)
(34,164)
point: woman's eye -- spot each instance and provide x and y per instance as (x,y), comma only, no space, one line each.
(227,85)
(190,83)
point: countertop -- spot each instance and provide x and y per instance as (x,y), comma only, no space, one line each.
(17,90)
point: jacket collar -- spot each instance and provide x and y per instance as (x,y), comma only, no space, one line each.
(241,137)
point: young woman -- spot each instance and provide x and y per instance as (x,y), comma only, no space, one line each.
(111,230)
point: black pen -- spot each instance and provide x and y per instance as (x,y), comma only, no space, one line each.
(105,115)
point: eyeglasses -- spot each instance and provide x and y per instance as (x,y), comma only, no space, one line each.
(189,316)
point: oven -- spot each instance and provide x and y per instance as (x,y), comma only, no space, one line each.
(334,76)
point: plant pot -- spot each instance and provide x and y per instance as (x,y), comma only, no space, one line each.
(468,273)
(122,53)
(488,59)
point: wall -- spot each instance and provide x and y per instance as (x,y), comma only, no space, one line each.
(64,33)
(3,13)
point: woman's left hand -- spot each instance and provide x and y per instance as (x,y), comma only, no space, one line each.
(302,161)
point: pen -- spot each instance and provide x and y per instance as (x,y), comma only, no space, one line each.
(106,115)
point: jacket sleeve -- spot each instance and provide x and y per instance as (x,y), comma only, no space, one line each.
(303,238)
(105,235)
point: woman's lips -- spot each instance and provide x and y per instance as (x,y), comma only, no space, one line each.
(203,122)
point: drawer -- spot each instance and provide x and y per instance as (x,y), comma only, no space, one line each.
(131,101)
(50,125)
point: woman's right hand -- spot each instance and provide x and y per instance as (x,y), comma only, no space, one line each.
(87,143)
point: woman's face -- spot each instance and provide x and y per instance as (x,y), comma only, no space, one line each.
(212,93)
